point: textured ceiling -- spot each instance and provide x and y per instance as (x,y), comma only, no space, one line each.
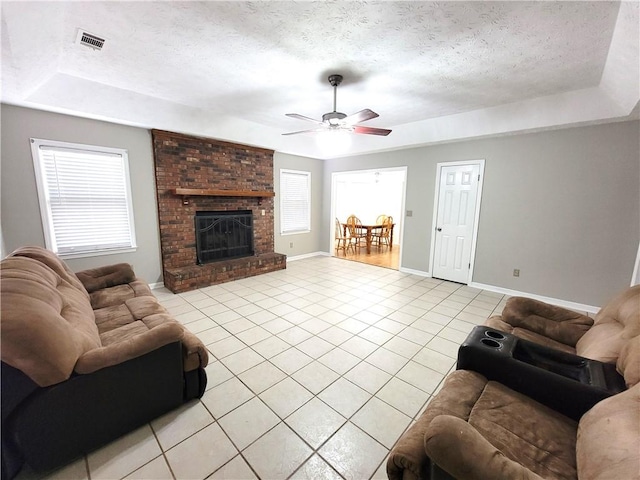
(231,70)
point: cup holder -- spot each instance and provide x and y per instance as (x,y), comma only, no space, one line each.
(490,343)
(494,335)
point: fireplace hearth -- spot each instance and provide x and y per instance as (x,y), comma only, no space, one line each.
(222,235)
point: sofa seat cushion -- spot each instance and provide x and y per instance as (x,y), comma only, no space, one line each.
(123,332)
(527,432)
(117,295)
(138,314)
(608,444)
(47,321)
(128,342)
(132,309)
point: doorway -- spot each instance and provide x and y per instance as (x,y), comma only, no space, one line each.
(369,194)
(455,219)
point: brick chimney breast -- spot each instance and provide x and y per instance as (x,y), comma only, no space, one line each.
(183,161)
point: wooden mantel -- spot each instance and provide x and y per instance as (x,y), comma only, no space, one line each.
(192,192)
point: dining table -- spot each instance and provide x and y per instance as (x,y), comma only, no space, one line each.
(369,229)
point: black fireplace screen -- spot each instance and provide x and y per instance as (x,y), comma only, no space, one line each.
(223,235)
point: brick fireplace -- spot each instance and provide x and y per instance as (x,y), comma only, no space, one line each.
(196,175)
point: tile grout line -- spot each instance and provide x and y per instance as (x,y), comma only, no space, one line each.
(334,347)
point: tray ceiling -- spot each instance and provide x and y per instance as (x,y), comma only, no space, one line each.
(434,71)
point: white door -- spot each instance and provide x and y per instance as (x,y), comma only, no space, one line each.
(455,222)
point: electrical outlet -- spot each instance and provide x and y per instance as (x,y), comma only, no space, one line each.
(409,213)
(290,244)
(516,272)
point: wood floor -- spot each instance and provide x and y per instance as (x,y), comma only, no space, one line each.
(380,256)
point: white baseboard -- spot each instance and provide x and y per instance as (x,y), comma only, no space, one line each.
(553,301)
(307,255)
(154,286)
(482,286)
(411,271)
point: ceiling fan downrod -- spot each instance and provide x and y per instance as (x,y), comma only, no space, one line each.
(334,117)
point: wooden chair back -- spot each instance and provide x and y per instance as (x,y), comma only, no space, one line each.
(354,225)
(339,231)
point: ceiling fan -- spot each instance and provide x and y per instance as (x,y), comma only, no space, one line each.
(334,121)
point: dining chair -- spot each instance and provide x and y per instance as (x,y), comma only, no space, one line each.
(383,236)
(376,235)
(342,242)
(354,227)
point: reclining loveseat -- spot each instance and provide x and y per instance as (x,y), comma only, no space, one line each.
(86,358)
(599,338)
(526,425)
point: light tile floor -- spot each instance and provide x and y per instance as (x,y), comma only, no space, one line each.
(315,372)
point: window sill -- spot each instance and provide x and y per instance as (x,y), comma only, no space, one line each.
(97,253)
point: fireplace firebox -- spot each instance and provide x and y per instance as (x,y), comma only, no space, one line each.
(221,235)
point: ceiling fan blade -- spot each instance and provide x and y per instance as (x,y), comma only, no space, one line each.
(302,117)
(371,130)
(313,130)
(361,116)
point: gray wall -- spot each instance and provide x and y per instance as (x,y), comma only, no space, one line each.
(562,206)
(303,243)
(21,221)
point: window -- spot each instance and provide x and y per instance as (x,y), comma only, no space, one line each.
(85,198)
(295,201)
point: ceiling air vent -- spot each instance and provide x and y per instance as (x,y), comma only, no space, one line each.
(90,40)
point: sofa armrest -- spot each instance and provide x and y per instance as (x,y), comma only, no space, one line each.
(560,324)
(105,277)
(499,324)
(129,348)
(459,449)
(457,397)
(194,352)
(407,459)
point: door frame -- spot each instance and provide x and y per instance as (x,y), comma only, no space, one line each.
(476,219)
(335,176)
(635,278)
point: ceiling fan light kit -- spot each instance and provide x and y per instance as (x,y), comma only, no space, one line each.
(333,142)
(338,121)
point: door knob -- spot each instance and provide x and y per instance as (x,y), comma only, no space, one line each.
(439,229)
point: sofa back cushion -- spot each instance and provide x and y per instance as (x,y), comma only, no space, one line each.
(615,324)
(47,319)
(628,363)
(608,443)
(55,263)
(96,279)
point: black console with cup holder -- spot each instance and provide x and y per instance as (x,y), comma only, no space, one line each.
(568,383)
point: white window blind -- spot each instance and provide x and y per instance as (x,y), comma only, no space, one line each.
(85,198)
(295,201)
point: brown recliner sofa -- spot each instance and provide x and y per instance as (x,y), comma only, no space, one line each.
(478,429)
(475,428)
(598,338)
(86,358)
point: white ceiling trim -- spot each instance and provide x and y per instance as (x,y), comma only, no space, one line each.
(621,76)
